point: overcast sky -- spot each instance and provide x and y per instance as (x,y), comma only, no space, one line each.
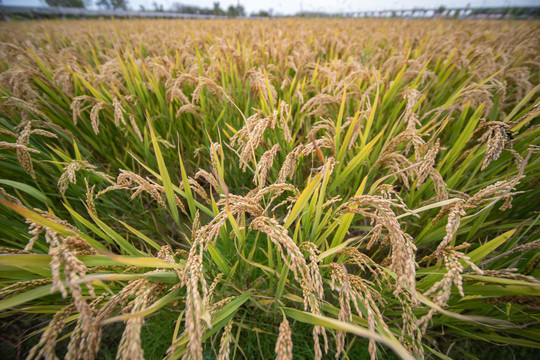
(294,6)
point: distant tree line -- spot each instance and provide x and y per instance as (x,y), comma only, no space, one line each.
(231,11)
(112,4)
(67,3)
(104,4)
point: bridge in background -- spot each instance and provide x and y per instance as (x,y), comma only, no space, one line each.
(458,12)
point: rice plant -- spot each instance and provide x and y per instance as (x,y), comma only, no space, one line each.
(276,188)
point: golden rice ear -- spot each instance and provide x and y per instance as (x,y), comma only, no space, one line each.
(118,112)
(287,169)
(427,163)
(264,165)
(403,248)
(130,344)
(47,343)
(94,115)
(286,246)
(340,283)
(70,171)
(225,342)
(216,154)
(260,84)
(194,305)
(174,91)
(191,109)
(317,105)
(23,155)
(209,178)
(455,212)
(250,136)
(284,115)
(453,276)
(209,84)
(284,342)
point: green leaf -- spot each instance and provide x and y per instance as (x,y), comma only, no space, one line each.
(148,311)
(483,320)
(371,117)
(123,243)
(145,262)
(319,320)
(302,201)
(337,139)
(219,260)
(354,164)
(484,250)
(187,187)
(167,184)
(35,217)
(500,290)
(169,277)
(30,190)
(26,260)
(140,235)
(346,220)
(231,308)
(25,297)
(220,318)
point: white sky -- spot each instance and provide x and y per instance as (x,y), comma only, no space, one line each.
(293,6)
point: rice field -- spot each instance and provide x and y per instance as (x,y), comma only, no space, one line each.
(256,189)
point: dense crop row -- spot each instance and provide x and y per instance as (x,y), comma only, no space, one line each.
(322,188)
